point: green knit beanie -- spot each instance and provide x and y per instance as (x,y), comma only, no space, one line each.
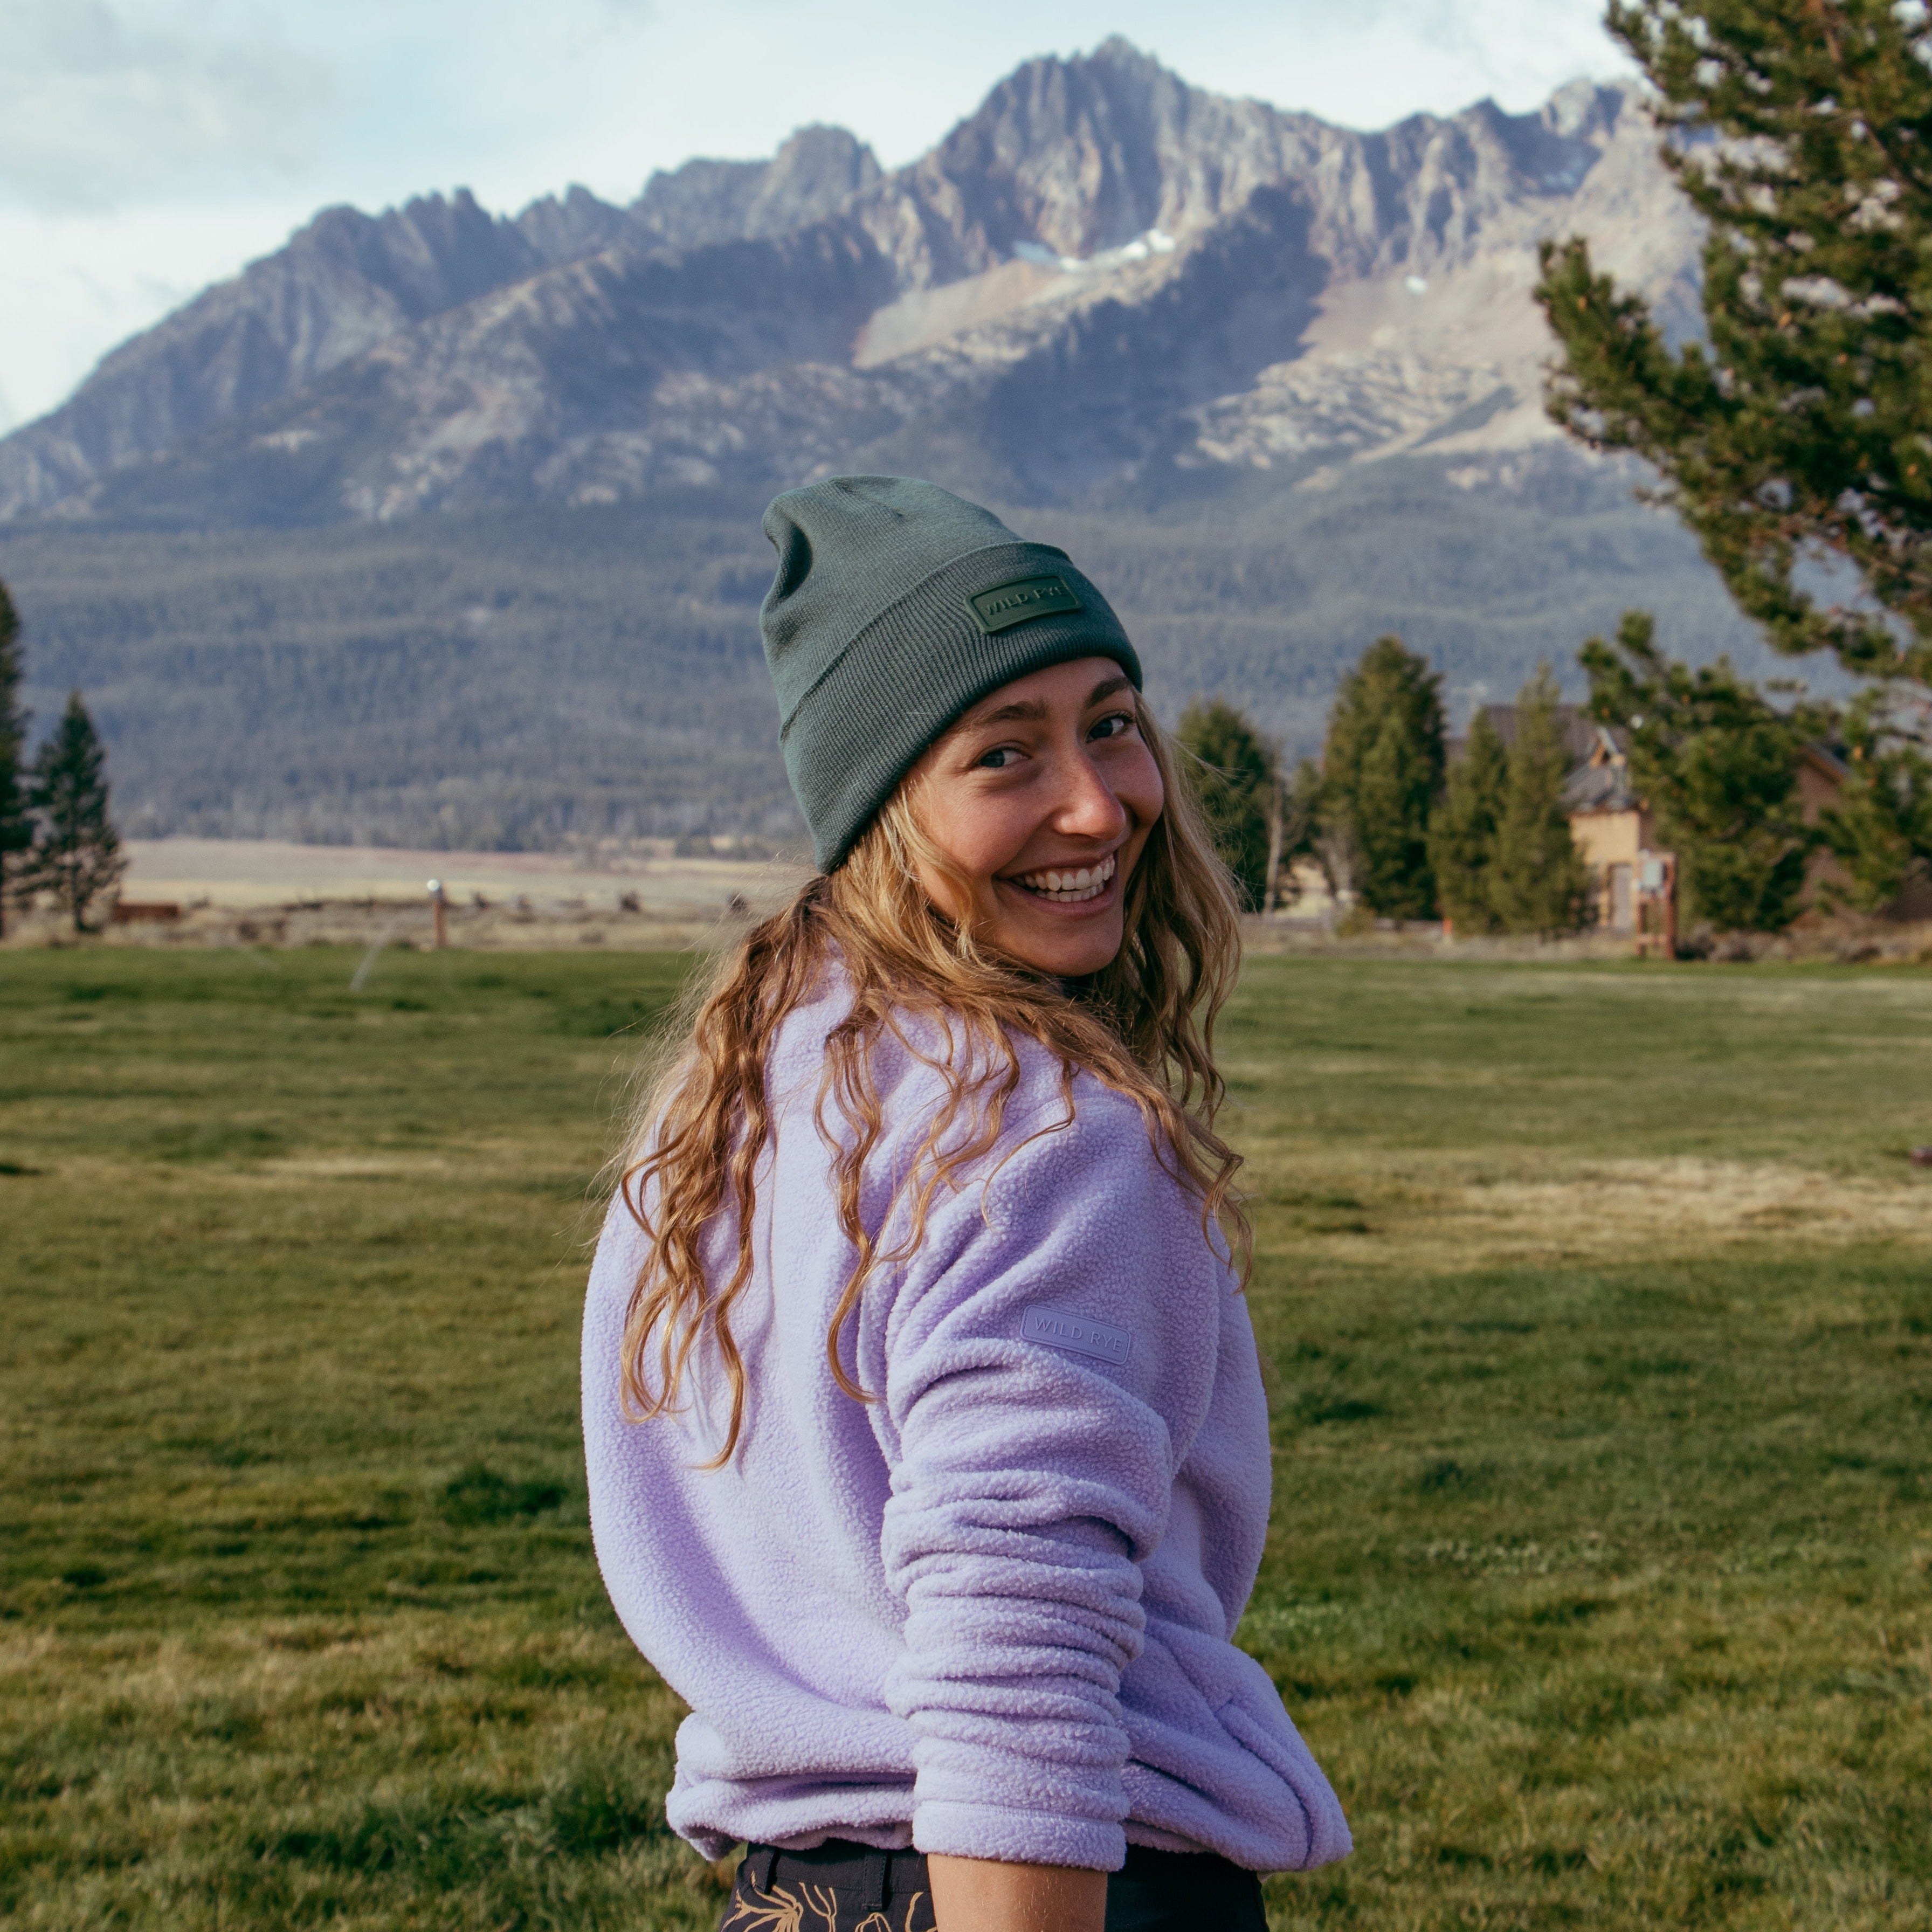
(897,605)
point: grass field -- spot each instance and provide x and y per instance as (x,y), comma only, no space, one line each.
(1597,1307)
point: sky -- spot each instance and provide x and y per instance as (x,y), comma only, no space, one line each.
(149,147)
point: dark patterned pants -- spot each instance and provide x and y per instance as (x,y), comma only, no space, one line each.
(841,1887)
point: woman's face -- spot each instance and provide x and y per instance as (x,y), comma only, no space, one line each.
(1042,795)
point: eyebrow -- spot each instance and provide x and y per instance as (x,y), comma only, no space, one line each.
(1031,711)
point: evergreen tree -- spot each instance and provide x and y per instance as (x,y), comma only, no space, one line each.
(1718,765)
(1234,773)
(16,830)
(1880,830)
(1538,882)
(76,855)
(1463,833)
(1798,425)
(1381,774)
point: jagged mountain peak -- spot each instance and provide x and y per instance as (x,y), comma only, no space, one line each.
(815,172)
(826,165)
(1095,228)
(1590,108)
(1077,153)
(1117,50)
(434,250)
(567,228)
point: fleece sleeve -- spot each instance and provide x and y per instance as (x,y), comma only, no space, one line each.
(1032,1476)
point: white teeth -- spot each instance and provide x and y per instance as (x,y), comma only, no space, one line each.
(1070,886)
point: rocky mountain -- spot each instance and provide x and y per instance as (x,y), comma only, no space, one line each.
(348,281)
(441,527)
(1103,278)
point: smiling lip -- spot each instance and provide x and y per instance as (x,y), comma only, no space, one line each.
(1067,885)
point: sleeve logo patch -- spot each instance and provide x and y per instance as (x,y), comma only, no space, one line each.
(1076,1335)
(1010,604)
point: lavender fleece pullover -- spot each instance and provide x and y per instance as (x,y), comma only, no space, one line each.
(988,1612)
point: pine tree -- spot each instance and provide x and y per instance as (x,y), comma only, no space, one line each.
(1538,882)
(1234,772)
(1798,426)
(1880,829)
(1462,834)
(76,855)
(1717,765)
(1381,772)
(16,830)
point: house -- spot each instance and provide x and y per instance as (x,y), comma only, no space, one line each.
(1636,877)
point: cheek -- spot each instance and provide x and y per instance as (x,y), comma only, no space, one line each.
(980,835)
(1139,789)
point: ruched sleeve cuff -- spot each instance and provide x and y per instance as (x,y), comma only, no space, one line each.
(969,1831)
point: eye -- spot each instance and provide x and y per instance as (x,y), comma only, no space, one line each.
(998,758)
(1115,724)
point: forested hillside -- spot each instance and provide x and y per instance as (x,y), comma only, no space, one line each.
(441,524)
(526,678)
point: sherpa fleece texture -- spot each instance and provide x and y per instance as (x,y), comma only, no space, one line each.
(988,1612)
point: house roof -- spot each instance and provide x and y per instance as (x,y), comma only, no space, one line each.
(1828,759)
(1603,786)
(1599,775)
(1599,778)
(1581,733)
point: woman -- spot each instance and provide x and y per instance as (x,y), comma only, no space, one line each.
(928,1453)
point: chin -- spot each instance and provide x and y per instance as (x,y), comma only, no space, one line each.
(1067,955)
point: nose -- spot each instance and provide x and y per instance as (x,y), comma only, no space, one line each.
(1088,807)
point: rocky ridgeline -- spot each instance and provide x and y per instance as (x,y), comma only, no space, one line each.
(1102,278)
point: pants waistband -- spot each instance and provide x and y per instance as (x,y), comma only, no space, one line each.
(870,1877)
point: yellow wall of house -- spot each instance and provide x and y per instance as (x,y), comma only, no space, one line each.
(1606,839)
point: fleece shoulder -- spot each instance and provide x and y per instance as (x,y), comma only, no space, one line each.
(1086,1149)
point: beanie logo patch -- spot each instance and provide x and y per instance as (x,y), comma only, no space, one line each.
(1008,604)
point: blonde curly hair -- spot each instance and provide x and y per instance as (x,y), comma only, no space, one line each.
(1144,1025)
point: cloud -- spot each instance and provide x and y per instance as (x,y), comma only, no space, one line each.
(104,104)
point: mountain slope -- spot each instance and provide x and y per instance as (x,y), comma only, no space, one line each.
(348,281)
(550,676)
(439,527)
(1101,278)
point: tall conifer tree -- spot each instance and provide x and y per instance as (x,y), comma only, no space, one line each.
(1381,772)
(1880,828)
(1718,765)
(76,856)
(1795,424)
(1462,834)
(1234,774)
(1794,427)
(16,831)
(1538,882)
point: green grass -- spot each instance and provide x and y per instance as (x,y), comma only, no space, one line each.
(1596,1305)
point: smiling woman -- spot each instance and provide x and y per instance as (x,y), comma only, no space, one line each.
(1042,799)
(928,1459)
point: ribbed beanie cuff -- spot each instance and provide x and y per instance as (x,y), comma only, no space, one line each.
(885,623)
